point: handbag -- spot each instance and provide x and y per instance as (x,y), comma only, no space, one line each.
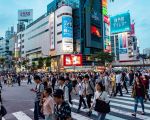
(101,106)
(3,111)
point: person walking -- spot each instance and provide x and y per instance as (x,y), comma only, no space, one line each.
(19,79)
(131,77)
(124,80)
(48,104)
(63,87)
(100,94)
(113,83)
(107,83)
(81,90)
(118,84)
(39,89)
(89,91)
(29,79)
(145,82)
(138,93)
(62,110)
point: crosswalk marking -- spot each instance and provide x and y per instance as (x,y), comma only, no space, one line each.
(21,116)
(79,117)
(128,102)
(110,117)
(121,108)
(127,107)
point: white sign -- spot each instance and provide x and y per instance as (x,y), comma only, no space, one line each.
(52,32)
(67,44)
(25,15)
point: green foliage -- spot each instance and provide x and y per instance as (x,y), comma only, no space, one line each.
(40,62)
(2,60)
(33,65)
(48,61)
(104,57)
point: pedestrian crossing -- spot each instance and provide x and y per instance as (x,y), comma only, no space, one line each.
(121,109)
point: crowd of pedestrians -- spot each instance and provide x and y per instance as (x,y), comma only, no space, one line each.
(54,91)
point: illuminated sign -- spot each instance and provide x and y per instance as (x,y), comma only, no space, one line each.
(73,60)
(67,30)
(25,15)
(122,37)
(106,19)
(120,23)
(104,3)
(95,31)
(67,33)
(104,11)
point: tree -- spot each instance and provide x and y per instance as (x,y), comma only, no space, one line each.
(48,61)
(104,57)
(33,65)
(40,62)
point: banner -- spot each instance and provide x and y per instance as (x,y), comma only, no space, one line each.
(120,23)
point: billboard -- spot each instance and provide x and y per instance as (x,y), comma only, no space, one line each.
(120,23)
(95,31)
(67,33)
(52,32)
(123,43)
(67,29)
(107,42)
(132,29)
(25,15)
(73,60)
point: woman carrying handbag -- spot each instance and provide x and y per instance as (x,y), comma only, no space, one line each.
(101,102)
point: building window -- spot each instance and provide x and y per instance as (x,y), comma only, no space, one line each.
(59,33)
(59,42)
(22,46)
(63,14)
(59,24)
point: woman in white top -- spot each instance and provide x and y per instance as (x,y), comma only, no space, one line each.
(102,95)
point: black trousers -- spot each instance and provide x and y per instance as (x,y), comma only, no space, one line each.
(81,100)
(29,81)
(125,86)
(70,99)
(118,89)
(37,111)
(89,97)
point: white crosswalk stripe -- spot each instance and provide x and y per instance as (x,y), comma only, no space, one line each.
(121,109)
(21,116)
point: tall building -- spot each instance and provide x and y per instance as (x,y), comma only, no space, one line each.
(123,39)
(146,51)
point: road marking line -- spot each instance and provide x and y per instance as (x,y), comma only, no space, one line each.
(128,102)
(110,117)
(3,119)
(21,116)
(79,117)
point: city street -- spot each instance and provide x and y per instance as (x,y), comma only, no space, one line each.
(19,102)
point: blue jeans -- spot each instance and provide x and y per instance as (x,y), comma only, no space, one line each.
(48,117)
(101,116)
(137,100)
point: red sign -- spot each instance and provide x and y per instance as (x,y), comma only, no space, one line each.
(132,29)
(106,20)
(73,60)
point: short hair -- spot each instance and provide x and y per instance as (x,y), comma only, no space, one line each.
(101,86)
(59,93)
(36,77)
(86,76)
(61,78)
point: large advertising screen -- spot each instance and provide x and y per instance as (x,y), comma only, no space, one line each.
(67,29)
(123,43)
(52,32)
(67,33)
(73,60)
(120,23)
(25,15)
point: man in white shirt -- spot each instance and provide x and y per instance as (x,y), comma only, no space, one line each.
(63,87)
(118,84)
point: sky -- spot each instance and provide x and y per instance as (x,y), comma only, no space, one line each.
(139,10)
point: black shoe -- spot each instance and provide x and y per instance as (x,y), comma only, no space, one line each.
(89,113)
(84,107)
(78,111)
(133,114)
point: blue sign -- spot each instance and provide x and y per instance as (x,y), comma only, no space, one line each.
(120,23)
(67,30)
